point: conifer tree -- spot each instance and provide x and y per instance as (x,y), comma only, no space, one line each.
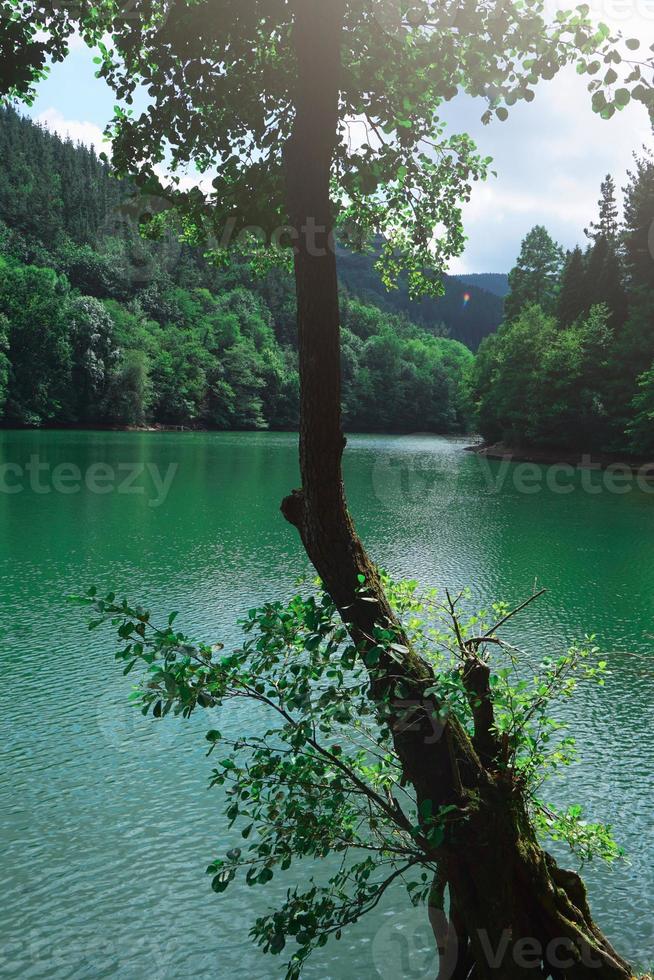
(535,278)
(605,272)
(639,223)
(607,224)
(605,281)
(572,296)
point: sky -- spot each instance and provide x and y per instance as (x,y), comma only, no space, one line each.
(550,155)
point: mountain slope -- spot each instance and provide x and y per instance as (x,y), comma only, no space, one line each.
(101,326)
(52,190)
(465,312)
(496,283)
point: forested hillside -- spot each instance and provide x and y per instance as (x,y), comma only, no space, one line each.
(100,326)
(572,366)
(496,283)
(471,308)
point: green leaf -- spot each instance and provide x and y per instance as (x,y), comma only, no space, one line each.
(436,836)
(426,809)
(221,881)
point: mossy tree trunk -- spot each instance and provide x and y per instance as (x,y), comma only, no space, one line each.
(513,912)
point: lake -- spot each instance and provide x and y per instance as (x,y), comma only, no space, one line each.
(106,822)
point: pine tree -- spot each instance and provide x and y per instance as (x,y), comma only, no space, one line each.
(535,278)
(612,290)
(639,224)
(607,226)
(52,189)
(605,281)
(605,272)
(572,301)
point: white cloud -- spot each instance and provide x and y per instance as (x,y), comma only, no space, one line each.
(78,130)
(550,157)
(188,178)
(75,41)
(88,133)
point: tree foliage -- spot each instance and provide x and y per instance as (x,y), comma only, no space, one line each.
(220,81)
(573,294)
(542,386)
(639,243)
(152,332)
(535,278)
(607,224)
(315,773)
(575,380)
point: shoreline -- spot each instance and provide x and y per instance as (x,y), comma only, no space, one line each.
(562,457)
(97,427)
(162,428)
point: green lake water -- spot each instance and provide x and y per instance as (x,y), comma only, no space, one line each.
(106,823)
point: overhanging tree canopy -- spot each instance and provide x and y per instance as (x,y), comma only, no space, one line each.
(219,83)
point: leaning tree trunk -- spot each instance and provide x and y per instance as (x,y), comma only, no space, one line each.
(513,912)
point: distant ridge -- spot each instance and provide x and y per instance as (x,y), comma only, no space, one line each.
(471,309)
(496,283)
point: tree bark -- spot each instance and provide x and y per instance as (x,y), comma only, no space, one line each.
(504,890)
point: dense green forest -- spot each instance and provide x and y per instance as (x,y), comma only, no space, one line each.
(572,366)
(101,326)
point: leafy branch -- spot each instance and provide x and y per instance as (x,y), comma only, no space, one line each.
(316,774)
